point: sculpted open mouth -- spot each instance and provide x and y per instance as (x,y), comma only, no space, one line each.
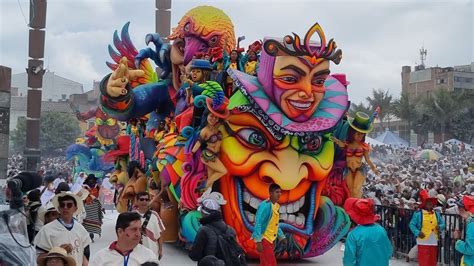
(109,132)
(176,72)
(295,217)
(301,105)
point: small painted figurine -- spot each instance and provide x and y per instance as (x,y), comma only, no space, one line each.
(210,139)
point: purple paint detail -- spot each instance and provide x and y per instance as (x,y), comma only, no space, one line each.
(276,117)
(264,103)
(342,100)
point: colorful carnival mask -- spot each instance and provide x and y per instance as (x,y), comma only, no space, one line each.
(107,127)
(277,127)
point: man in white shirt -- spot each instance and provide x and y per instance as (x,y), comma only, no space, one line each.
(127,250)
(152,226)
(65,232)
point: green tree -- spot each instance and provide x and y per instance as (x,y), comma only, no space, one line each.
(403,109)
(462,125)
(437,111)
(383,99)
(57,131)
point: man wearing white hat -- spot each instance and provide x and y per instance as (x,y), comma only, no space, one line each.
(65,232)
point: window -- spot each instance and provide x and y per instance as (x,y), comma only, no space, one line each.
(463,79)
(440,81)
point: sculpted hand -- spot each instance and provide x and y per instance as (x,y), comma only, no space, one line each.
(117,83)
(259,247)
(421,235)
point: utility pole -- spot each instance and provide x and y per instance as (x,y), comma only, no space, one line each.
(163,18)
(5,85)
(163,27)
(35,72)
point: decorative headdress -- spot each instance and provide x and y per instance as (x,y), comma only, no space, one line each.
(311,52)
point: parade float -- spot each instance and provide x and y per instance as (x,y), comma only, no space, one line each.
(274,124)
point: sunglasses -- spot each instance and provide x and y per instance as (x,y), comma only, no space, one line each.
(67,205)
(144,199)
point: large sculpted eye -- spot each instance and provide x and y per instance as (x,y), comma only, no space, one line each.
(213,41)
(311,145)
(187,27)
(288,79)
(318,81)
(252,137)
(110,122)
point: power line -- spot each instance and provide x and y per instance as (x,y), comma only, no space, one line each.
(23,14)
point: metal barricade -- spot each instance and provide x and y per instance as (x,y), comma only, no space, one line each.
(396,221)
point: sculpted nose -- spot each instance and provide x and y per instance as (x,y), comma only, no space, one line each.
(286,170)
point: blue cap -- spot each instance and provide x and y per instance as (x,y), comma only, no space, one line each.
(201,64)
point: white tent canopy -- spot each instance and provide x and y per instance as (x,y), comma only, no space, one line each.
(458,142)
(374,142)
(389,138)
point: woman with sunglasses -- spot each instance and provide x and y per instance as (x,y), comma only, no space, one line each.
(65,232)
(152,225)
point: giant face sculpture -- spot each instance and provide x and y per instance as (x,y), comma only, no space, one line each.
(297,164)
(299,87)
(276,135)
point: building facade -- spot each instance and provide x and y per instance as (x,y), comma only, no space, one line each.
(422,82)
(55,88)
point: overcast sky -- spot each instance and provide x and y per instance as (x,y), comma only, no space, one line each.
(377,37)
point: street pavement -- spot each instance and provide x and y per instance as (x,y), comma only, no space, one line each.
(173,255)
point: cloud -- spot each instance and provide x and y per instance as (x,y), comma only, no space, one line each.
(377,37)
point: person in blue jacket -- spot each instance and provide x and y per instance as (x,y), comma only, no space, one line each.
(368,243)
(427,225)
(466,246)
(267,227)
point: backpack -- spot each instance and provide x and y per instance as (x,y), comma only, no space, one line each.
(228,250)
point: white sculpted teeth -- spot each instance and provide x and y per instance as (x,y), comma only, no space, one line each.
(289,213)
(251,200)
(291,218)
(250,216)
(301,201)
(301,105)
(254,202)
(292,207)
(300,219)
(246,197)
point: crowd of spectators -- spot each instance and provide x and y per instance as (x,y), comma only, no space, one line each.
(403,175)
